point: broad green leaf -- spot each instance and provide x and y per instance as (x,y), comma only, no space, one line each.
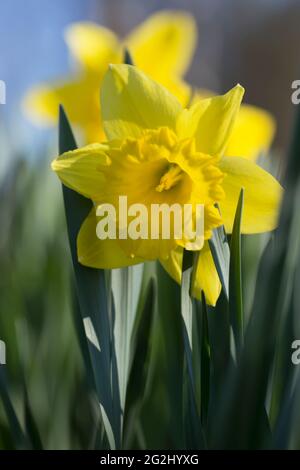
(193,430)
(93,301)
(140,362)
(169,354)
(126,286)
(82,339)
(219,338)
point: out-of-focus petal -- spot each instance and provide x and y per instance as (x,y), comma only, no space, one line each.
(252,134)
(262,195)
(164,44)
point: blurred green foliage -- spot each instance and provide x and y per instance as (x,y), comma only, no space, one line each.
(191,377)
(36,311)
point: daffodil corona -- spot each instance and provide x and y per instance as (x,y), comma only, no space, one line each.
(158,152)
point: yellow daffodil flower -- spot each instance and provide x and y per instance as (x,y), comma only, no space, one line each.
(162,46)
(156,152)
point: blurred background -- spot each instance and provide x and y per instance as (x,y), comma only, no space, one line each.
(254,42)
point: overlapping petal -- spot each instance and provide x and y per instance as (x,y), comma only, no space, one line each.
(164,44)
(132,102)
(211,121)
(206,278)
(253,130)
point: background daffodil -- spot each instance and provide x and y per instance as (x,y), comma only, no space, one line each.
(253,130)
(157,151)
(172,33)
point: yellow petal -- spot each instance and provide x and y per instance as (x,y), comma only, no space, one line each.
(101,254)
(173,264)
(131,102)
(252,134)
(93,46)
(164,44)
(206,278)
(211,121)
(147,249)
(80,169)
(261,199)
(41,105)
(79,98)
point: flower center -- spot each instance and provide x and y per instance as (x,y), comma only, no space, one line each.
(169,179)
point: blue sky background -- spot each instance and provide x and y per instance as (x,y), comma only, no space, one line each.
(31,44)
(32,50)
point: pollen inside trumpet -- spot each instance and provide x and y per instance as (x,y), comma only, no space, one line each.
(169,179)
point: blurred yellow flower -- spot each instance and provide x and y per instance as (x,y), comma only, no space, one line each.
(156,152)
(162,47)
(253,131)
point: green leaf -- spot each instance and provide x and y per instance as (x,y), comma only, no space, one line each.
(127,57)
(235,277)
(169,354)
(20,440)
(32,430)
(220,363)
(126,286)
(186,301)
(82,339)
(140,363)
(194,434)
(205,362)
(287,245)
(141,344)
(93,301)
(221,254)
(262,369)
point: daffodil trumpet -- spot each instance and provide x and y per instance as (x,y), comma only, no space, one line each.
(158,152)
